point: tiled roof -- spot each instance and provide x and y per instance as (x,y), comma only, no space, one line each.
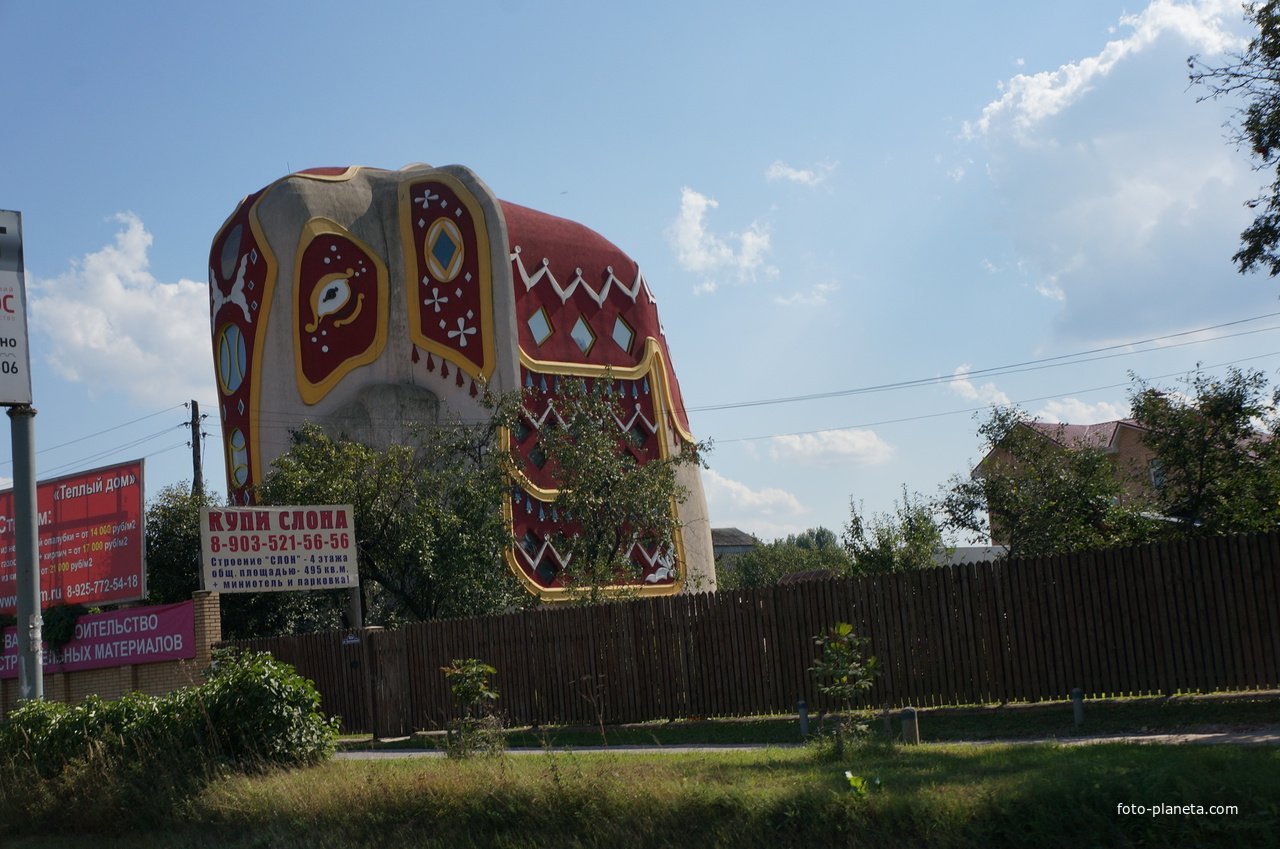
(1101,435)
(731,536)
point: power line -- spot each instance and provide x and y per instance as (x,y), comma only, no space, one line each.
(925,416)
(1013,368)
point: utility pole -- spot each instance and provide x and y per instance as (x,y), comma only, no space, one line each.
(197,471)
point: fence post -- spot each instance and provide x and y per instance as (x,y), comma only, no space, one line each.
(910,726)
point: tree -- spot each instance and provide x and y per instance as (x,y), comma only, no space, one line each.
(813,550)
(1218,456)
(430,535)
(613,501)
(908,538)
(1040,496)
(1254,76)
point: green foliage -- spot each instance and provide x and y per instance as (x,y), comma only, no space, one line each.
(860,785)
(1214,439)
(479,730)
(612,500)
(430,533)
(469,684)
(908,538)
(59,625)
(259,710)
(841,670)
(173,543)
(765,564)
(1254,77)
(1039,497)
(145,754)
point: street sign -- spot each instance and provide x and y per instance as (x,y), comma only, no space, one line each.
(15,359)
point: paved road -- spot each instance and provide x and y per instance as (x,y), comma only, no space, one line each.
(1266,736)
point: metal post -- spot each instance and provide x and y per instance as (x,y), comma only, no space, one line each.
(26,544)
(803,710)
(910,726)
(355,609)
(1077,706)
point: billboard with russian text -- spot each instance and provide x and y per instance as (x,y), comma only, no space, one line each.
(92,548)
(119,638)
(278,549)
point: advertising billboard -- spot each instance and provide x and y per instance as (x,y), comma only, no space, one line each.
(278,549)
(118,638)
(92,548)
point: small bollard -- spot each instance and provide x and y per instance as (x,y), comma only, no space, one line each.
(803,710)
(1077,705)
(910,726)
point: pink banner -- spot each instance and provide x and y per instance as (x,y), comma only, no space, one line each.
(118,638)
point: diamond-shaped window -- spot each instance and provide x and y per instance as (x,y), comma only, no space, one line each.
(623,334)
(540,326)
(582,335)
(639,435)
(443,250)
(520,432)
(530,543)
(538,457)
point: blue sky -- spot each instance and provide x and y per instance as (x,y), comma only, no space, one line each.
(823,198)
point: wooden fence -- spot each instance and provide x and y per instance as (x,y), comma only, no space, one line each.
(1194,616)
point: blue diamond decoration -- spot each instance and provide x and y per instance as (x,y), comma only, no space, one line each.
(443,250)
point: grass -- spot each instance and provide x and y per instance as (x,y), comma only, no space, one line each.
(1045,720)
(936,795)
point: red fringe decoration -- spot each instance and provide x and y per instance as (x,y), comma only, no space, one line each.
(431,364)
(444,368)
(414,354)
(458,382)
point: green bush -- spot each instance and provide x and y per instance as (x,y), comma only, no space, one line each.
(134,757)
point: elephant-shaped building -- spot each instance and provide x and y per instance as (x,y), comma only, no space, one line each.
(370,301)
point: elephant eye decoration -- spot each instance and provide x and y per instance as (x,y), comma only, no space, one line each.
(340,318)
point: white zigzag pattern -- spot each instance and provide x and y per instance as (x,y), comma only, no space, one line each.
(565,292)
(541,420)
(661,558)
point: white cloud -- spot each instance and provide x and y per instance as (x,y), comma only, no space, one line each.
(832,446)
(703,252)
(812,298)
(780,170)
(767,513)
(1030,98)
(987,393)
(1075,411)
(1050,289)
(6,483)
(113,327)
(1114,189)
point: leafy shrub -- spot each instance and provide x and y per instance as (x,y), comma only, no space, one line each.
(843,674)
(134,757)
(479,730)
(259,710)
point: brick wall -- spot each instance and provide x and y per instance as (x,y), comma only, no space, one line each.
(155,679)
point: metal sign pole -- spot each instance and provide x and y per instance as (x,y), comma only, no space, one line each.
(15,393)
(26,539)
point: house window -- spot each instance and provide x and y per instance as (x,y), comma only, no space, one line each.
(1156,469)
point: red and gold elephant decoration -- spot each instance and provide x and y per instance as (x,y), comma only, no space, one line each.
(368,300)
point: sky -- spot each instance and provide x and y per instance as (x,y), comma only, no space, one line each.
(995,202)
